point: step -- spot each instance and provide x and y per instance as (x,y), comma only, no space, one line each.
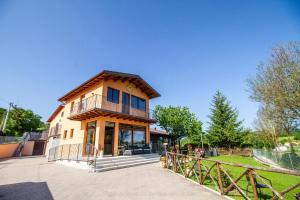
(124,162)
(103,161)
(124,166)
(126,157)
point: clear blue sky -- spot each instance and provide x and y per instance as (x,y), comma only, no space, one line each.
(185,49)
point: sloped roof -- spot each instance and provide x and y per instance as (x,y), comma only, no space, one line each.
(158,132)
(56,111)
(106,75)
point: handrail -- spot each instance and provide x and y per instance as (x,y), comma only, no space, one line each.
(195,166)
(75,152)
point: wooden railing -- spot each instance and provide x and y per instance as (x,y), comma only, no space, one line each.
(218,174)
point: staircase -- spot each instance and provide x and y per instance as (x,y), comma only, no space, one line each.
(112,163)
(25,138)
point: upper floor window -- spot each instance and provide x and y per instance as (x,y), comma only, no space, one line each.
(72,106)
(65,134)
(62,114)
(138,103)
(113,95)
(71,133)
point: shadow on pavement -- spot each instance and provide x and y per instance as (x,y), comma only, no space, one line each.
(25,191)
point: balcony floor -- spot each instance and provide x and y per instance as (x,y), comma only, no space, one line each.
(97,112)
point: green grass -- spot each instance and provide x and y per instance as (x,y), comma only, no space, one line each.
(279,181)
(285,138)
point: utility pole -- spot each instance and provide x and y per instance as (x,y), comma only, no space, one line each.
(6,117)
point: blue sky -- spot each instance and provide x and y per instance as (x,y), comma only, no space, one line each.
(185,49)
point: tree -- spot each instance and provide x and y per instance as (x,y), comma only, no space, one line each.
(21,120)
(224,128)
(178,122)
(277,87)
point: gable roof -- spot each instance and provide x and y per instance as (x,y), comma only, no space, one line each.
(55,113)
(106,75)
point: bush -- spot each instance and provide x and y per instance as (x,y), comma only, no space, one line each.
(297,136)
(283,141)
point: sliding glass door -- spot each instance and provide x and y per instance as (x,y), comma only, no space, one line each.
(131,137)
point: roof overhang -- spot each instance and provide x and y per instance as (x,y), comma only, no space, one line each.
(111,75)
(56,111)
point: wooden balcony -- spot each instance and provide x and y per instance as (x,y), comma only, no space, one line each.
(98,105)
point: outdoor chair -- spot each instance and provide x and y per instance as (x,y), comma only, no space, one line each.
(258,186)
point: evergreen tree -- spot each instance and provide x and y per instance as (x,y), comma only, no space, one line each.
(225,129)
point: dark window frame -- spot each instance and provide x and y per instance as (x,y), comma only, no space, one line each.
(115,95)
(138,103)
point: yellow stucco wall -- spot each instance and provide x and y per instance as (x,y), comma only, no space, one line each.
(80,127)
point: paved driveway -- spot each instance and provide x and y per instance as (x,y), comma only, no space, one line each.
(35,179)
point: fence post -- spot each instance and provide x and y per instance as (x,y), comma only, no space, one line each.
(251,178)
(167,163)
(77,150)
(61,152)
(69,151)
(220,179)
(174,163)
(200,170)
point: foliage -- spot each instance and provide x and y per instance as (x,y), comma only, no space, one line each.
(178,122)
(277,87)
(260,140)
(22,120)
(225,129)
(277,82)
(297,136)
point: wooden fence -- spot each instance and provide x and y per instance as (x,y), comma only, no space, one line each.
(218,173)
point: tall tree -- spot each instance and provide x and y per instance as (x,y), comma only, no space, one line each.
(178,122)
(21,120)
(277,86)
(224,127)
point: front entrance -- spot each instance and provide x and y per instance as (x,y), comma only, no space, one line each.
(108,138)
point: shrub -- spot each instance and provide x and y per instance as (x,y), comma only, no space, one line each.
(297,136)
(283,141)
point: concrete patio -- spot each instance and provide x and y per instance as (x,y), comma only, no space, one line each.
(34,178)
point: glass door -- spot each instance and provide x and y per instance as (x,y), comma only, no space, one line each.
(90,137)
(108,138)
(125,102)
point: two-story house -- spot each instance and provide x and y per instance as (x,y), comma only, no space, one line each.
(110,111)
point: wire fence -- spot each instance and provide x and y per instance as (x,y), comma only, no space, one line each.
(284,159)
(9,139)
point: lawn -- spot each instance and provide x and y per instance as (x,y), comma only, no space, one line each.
(278,181)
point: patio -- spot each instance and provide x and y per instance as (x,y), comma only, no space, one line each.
(35,178)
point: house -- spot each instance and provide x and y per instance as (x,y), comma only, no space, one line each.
(109,112)
(157,138)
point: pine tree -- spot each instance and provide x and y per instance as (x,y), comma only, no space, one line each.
(224,128)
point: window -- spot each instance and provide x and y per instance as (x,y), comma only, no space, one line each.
(72,106)
(71,133)
(65,134)
(138,103)
(131,137)
(62,114)
(113,95)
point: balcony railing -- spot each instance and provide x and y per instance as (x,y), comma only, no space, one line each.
(101,102)
(55,131)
